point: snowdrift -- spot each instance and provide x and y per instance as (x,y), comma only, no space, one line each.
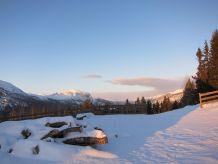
(188,135)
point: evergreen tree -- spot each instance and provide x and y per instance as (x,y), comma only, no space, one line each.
(190,96)
(213,61)
(149,107)
(157,107)
(200,74)
(166,104)
(202,71)
(206,59)
(127,102)
(175,105)
(143,101)
(137,102)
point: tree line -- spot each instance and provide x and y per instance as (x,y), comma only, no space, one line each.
(155,107)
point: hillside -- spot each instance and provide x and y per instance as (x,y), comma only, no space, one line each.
(181,136)
(174,96)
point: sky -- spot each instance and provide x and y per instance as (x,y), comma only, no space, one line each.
(114,49)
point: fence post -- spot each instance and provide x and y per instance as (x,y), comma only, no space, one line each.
(200,100)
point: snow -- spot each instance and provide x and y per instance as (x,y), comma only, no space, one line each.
(174,96)
(81,115)
(192,139)
(188,135)
(70,94)
(11,88)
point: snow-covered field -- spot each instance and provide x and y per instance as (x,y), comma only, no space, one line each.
(188,135)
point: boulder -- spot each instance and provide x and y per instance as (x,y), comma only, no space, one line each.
(86,141)
(64,132)
(56,124)
(35,150)
(26,133)
(55,133)
(10,150)
(52,134)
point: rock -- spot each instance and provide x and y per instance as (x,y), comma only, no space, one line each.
(26,133)
(52,134)
(56,124)
(86,141)
(64,132)
(35,150)
(10,150)
(55,133)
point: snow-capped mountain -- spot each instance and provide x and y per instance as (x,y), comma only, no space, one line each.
(11,96)
(174,96)
(11,88)
(69,95)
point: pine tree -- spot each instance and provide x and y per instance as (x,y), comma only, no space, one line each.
(175,105)
(166,104)
(137,102)
(143,101)
(202,72)
(213,61)
(127,102)
(206,58)
(149,107)
(206,55)
(190,96)
(157,107)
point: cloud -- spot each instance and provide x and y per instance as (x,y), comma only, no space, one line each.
(150,86)
(122,96)
(93,76)
(157,84)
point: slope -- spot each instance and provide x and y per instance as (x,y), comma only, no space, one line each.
(188,135)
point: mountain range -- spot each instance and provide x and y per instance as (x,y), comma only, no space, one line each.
(11,96)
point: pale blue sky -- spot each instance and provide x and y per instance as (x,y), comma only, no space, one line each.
(49,45)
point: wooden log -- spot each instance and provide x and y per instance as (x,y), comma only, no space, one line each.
(86,141)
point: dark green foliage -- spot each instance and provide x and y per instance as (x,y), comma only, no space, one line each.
(190,96)
(202,71)
(166,105)
(213,61)
(127,102)
(176,105)
(207,73)
(156,107)
(143,101)
(137,101)
(149,107)
(206,78)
